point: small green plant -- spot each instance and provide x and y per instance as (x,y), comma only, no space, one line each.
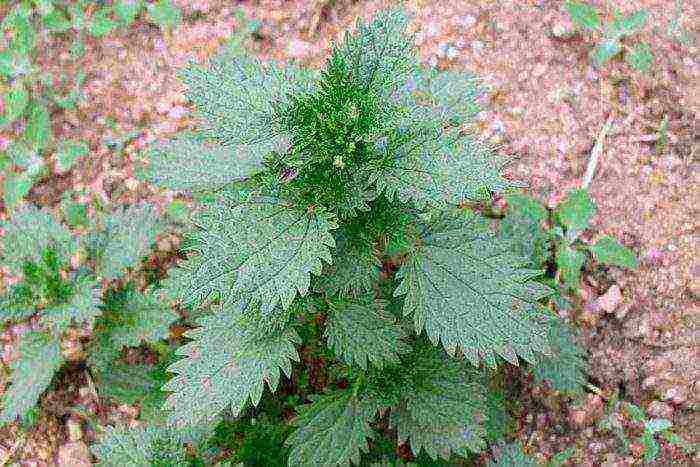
(63,278)
(349,198)
(611,43)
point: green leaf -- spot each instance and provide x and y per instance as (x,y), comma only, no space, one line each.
(56,21)
(127,384)
(608,251)
(230,359)
(15,188)
(255,245)
(565,370)
(604,51)
(22,34)
(144,318)
(575,210)
(68,151)
(144,446)
(101,23)
(629,24)
(28,233)
(16,100)
(77,15)
(640,57)
(127,237)
(512,455)
(522,226)
(354,270)
(441,407)
(82,307)
(468,291)
(569,263)
(39,358)
(583,15)
(362,331)
(75,214)
(38,129)
(177,210)
(164,13)
(651,446)
(236,97)
(127,10)
(44,6)
(636,413)
(333,429)
(187,163)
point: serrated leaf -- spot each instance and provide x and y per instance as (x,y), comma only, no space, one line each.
(604,51)
(144,318)
(127,384)
(445,169)
(164,13)
(260,246)
(37,131)
(468,291)
(441,407)
(127,10)
(15,188)
(354,270)
(68,151)
(39,358)
(101,23)
(569,264)
(228,362)
(608,251)
(127,236)
(16,100)
(82,307)
(75,214)
(28,233)
(583,15)
(640,57)
(362,331)
(512,455)
(332,430)
(565,370)
(656,425)
(575,210)
(237,97)
(144,446)
(629,24)
(187,163)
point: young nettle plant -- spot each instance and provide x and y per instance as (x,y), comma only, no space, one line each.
(55,295)
(315,189)
(611,43)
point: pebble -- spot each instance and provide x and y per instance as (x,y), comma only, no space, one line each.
(611,299)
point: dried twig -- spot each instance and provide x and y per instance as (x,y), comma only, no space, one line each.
(595,154)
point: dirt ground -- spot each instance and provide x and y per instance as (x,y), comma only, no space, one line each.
(546,105)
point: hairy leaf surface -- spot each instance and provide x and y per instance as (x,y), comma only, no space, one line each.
(259,246)
(332,430)
(355,268)
(231,357)
(362,331)
(39,358)
(188,163)
(469,291)
(565,369)
(441,408)
(144,446)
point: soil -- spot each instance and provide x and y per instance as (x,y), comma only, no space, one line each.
(545,105)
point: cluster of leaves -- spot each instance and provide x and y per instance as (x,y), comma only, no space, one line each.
(585,16)
(65,281)
(345,194)
(651,428)
(30,96)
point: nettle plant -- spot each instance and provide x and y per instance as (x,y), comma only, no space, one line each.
(349,194)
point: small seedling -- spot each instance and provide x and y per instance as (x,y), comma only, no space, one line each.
(611,35)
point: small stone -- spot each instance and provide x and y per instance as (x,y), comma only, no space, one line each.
(74,455)
(611,299)
(561,31)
